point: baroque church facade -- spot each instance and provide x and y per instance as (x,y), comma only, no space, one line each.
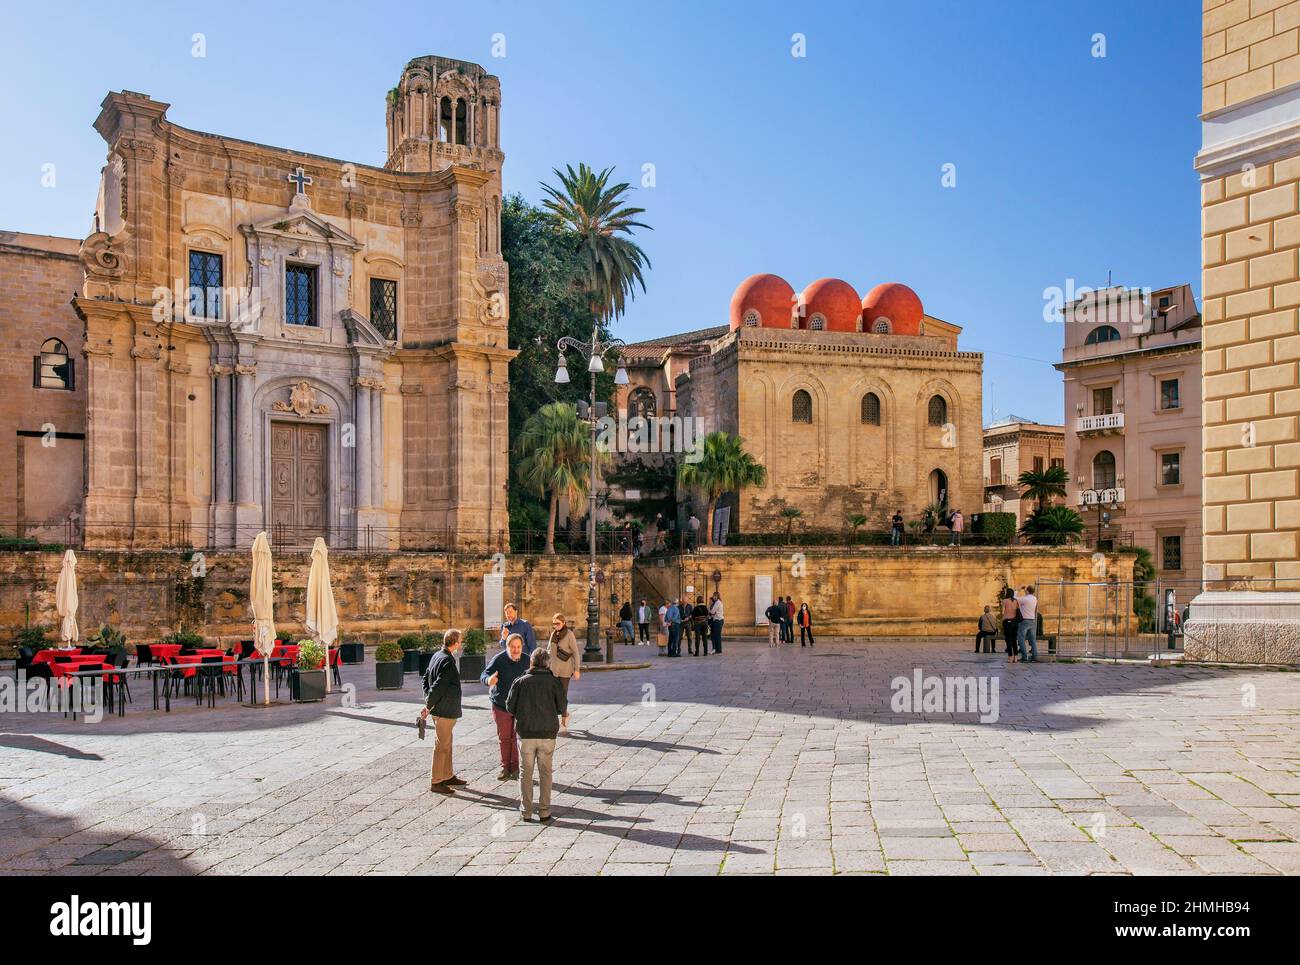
(282,341)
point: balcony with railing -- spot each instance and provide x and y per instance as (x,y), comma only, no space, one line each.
(1111,422)
(1091,497)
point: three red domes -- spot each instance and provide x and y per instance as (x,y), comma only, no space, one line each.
(828,304)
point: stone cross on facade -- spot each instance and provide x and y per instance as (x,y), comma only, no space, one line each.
(299,179)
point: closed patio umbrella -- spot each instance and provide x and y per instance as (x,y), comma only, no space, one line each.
(262,601)
(322,616)
(65,600)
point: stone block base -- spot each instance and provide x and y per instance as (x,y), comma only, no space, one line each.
(1243,626)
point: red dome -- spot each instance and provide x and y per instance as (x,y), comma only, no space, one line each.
(833,299)
(896,303)
(769,295)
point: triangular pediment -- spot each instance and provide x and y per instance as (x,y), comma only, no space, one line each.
(303,224)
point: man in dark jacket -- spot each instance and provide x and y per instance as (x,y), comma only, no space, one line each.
(442,703)
(500,673)
(537,702)
(699,628)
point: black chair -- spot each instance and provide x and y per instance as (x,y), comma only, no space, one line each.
(25,656)
(210,677)
(144,655)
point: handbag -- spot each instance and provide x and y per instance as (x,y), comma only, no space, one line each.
(563,654)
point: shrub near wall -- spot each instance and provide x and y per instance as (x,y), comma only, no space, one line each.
(998,529)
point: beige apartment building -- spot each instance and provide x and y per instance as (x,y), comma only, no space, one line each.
(1132,370)
(1011,446)
(1249,166)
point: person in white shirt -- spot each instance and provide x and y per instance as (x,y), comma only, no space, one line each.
(1027,631)
(643,622)
(715,622)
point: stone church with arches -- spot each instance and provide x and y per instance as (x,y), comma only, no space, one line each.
(855,405)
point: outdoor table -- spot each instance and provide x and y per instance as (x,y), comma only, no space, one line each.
(164,650)
(47,656)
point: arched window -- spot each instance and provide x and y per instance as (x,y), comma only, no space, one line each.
(52,369)
(1102,333)
(462,121)
(751,319)
(801,407)
(871,409)
(641,403)
(1103,470)
(938,410)
(817,323)
(880,326)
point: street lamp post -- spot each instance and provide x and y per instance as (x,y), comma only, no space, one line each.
(592,351)
(1096,499)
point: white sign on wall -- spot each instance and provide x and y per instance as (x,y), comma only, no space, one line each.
(493,600)
(762,599)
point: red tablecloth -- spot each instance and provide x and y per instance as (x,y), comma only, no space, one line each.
(76,666)
(47,656)
(165,649)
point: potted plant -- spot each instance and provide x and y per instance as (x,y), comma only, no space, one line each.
(430,643)
(388,666)
(352,650)
(410,644)
(111,640)
(307,680)
(188,639)
(472,660)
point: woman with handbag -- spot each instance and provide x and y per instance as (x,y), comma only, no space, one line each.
(566,657)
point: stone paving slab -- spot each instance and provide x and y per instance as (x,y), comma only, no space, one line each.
(789,761)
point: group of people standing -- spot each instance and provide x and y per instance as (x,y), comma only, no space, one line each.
(700,624)
(1019,625)
(782,618)
(529,693)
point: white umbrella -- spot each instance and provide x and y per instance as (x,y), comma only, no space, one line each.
(322,616)
(65,600)
(262,601)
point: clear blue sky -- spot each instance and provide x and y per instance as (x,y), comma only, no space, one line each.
(1067,165)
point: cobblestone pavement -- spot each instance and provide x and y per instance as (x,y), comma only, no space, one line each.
(759,761)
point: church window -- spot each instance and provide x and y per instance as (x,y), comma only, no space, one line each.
(871,409)
(53,367)
(801,407)
(206,278)
(938,410)
(817,323)
(300,295)
(880,326)
(444,118)
(383,307)
(751,319)
(462,121)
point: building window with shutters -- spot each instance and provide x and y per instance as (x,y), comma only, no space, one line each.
(1171,553)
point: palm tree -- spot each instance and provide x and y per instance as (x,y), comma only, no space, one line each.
(857,521)
(790,514)
(1054,525)
(1043,485)
(553,460)
(596,213)
(724,467)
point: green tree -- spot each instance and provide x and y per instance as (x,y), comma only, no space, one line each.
(554,460)
(724,467)
(1054,525)
(857,521)
(790,514)
(546,303)
(1043,486)
(601,222)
